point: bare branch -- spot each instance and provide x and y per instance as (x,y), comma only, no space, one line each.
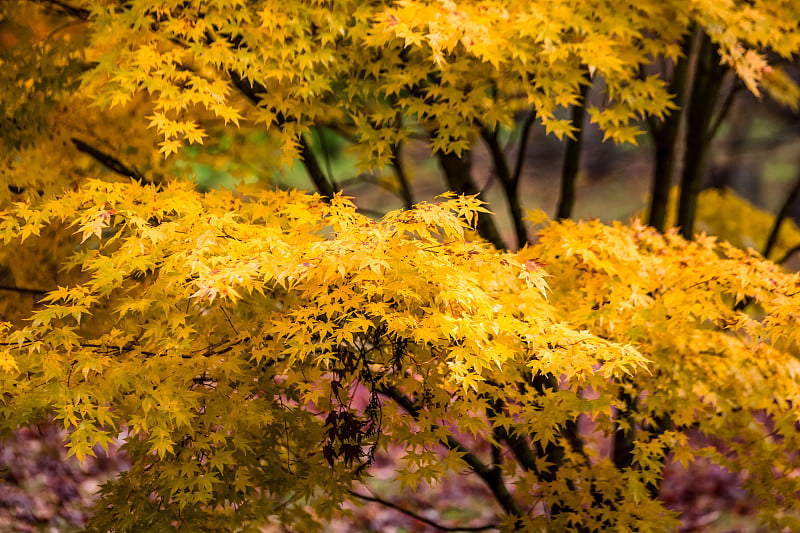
(417,517)
(572,154)
(399,170)
(523,145)
(509,184)
(109,161)
(67,9)
(794,194)
(492,477)
(22,290)
(789,253)
(735,88)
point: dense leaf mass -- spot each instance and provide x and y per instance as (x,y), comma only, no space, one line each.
(264,344)
(244,325)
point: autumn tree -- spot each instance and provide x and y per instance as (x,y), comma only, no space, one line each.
(255,349)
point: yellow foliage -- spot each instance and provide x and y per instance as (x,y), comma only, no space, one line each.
(254,349)
(451,66)
(713,367)
(225,302)
(273,338)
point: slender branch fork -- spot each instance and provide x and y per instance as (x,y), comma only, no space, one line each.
(491,475)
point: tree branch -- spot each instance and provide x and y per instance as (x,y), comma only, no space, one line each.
(326,154)
(492,477)
(370,212)
(489,137)
(708,76)
(523,145)
(509,184)
(665,139)
(397,162)
(572,154)
(457,172)
(736,86)
(67,9)
(789,253)
(794,194)
(310,161)
(417,517)
(109,161)
(519,446)
(314,170)
(22,290)
(402,178)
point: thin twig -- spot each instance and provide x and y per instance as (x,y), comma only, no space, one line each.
(309,159)
(286,435)
(724,108)
(789,253)
(417,517)
(399,171)
(222,308)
